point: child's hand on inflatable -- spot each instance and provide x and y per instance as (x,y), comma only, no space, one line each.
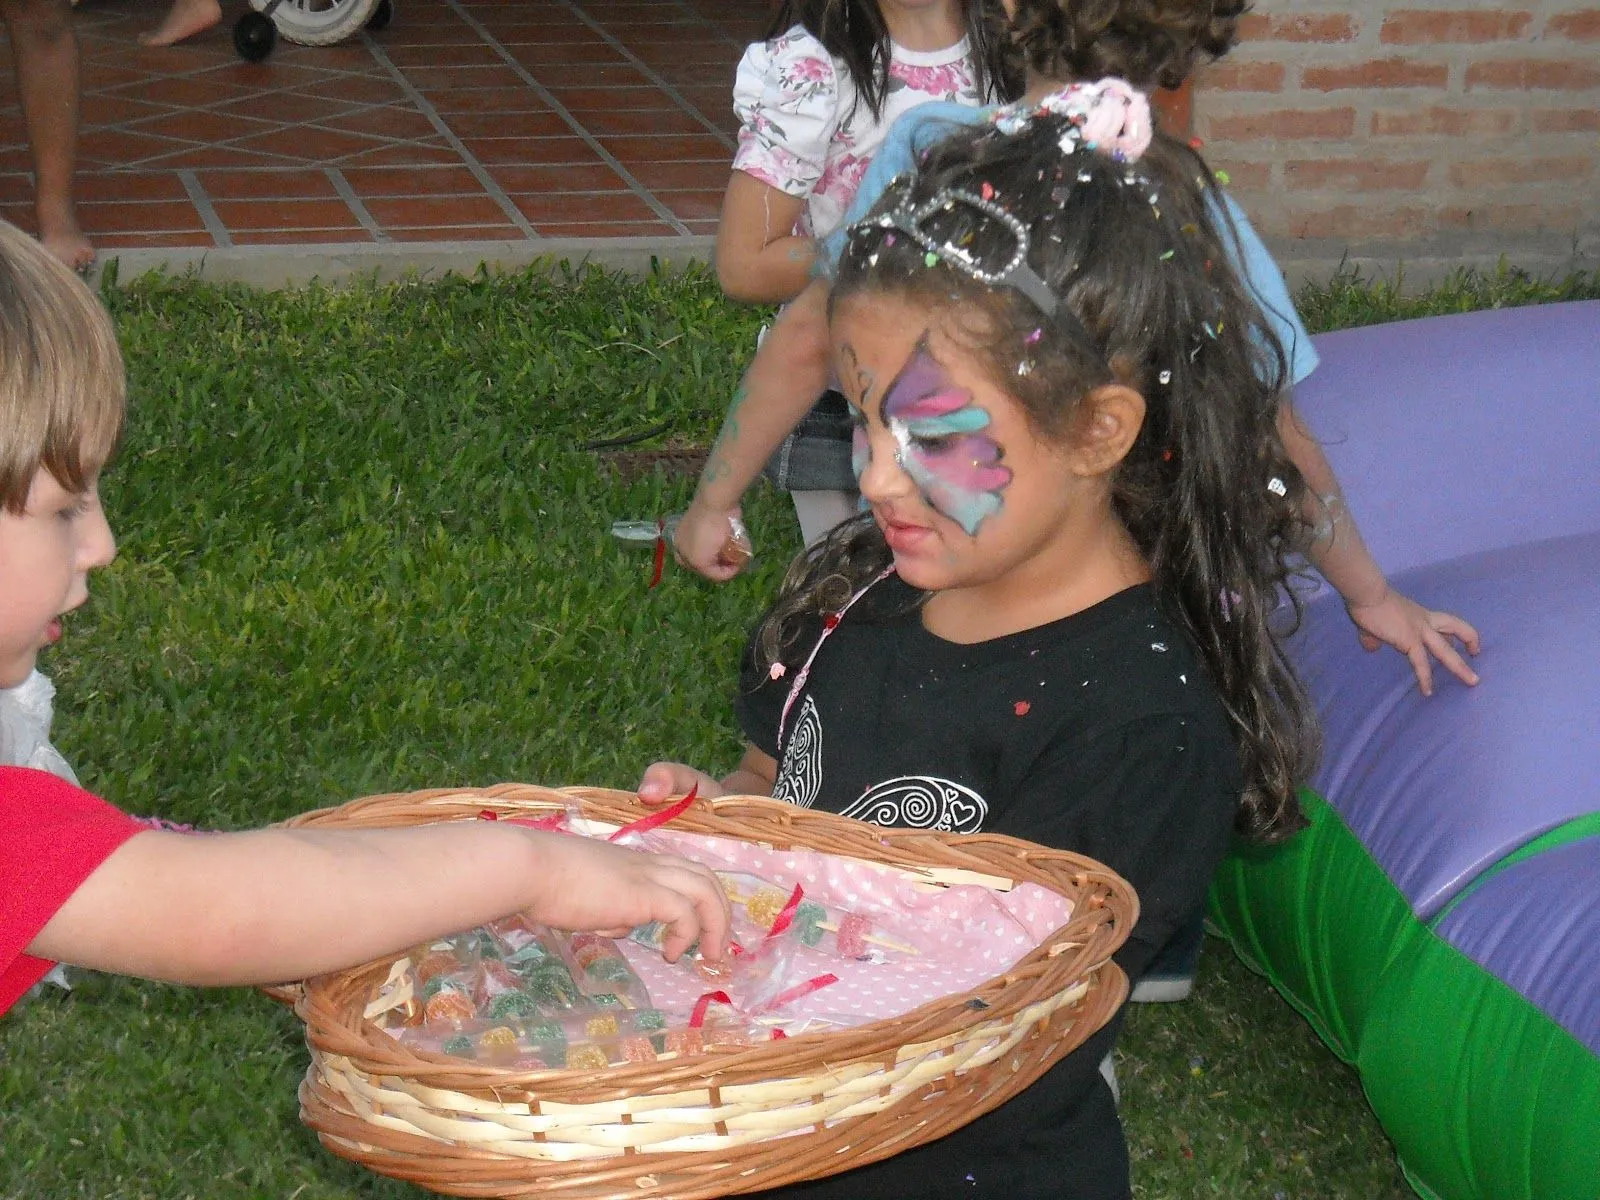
(712,541)
(592,885)
(1417,632)
(664,781)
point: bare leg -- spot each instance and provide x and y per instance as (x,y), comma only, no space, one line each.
(45,51)
(183,20)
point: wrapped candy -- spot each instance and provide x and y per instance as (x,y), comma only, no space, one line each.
(550,1041)
(685,1041)
(450,1006)
(513,1004)
(652,1021)
(601,970)
(637,1049)
(586,1056)
(499,1042)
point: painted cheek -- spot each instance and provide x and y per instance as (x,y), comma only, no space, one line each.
(963,479)
(860,452)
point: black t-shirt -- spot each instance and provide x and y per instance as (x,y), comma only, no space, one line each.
(1099,733)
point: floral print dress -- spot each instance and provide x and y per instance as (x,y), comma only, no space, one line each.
(802,130)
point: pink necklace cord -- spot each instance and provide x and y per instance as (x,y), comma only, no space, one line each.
(829,624)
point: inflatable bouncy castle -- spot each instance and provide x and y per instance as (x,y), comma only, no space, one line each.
(1439,923)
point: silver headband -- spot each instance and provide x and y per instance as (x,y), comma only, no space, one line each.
(1015,274)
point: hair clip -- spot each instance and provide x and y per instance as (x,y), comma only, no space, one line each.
(1016,273)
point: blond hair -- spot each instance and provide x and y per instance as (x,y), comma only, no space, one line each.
(62,387)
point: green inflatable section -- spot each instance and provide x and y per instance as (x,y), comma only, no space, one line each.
(1476,1087)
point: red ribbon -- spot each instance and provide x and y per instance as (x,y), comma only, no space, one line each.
(661,552)
(697,1018)
(552,822)
(815,984)
(659,818)
(785,916)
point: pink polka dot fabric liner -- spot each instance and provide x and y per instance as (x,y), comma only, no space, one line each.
(968,933)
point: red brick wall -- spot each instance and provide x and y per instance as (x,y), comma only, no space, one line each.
(1428,134)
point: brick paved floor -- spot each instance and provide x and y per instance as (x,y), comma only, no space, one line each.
(464,120)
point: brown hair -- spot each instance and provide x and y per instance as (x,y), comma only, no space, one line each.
(1137,257)
(1146,42)
(62,388)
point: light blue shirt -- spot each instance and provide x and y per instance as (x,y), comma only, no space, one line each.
(928,124)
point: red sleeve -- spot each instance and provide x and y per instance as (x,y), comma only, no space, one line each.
(53,836)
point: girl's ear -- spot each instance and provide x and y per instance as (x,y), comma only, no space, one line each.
(1107,424)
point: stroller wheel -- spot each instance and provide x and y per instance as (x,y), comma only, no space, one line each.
(317,22)
(254,36)
(381,16)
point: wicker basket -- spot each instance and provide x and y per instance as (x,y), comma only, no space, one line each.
(724,1122)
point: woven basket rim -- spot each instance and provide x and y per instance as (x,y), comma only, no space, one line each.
(347,1047)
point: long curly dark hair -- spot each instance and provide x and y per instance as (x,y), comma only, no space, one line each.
(1137,253)
(854,30)
(1146,42)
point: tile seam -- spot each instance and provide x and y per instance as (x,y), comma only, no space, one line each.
(561,110)
(469,160)
(208,213)
(650,73)
(355,204)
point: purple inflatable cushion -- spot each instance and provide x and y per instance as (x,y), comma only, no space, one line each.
(1536,926)
(1439,789)
(1457,434)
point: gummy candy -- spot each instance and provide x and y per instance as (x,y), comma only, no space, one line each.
(611,970)
(552,985)
(460,1045)
(586,1056)
(652,1021)
(852,936)
(501,1037)
(685,1041)
(637,1049)
(726,1035)
(808,919)
(513,1004)
(763,907)
(551,1040)
(601,1026)
(450,1005)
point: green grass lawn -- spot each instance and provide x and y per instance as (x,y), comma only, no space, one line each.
(363,549)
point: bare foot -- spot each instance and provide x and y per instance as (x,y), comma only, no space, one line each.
(60,234)
(183,20)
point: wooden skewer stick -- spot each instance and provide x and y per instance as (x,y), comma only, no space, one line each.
(877,939)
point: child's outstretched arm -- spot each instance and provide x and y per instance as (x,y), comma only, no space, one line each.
(754,776)
(760,259)
(1382,615)
(789,372)
(282,904)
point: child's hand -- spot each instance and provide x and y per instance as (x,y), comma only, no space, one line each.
(664,781)
(1416,632)
(593,885)
(712,541)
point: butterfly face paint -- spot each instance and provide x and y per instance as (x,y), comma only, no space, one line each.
(940,443)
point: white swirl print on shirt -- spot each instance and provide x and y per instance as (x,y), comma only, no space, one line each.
(922,802)
(800,779)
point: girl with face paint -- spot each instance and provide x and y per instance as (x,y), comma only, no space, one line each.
(1052,620)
